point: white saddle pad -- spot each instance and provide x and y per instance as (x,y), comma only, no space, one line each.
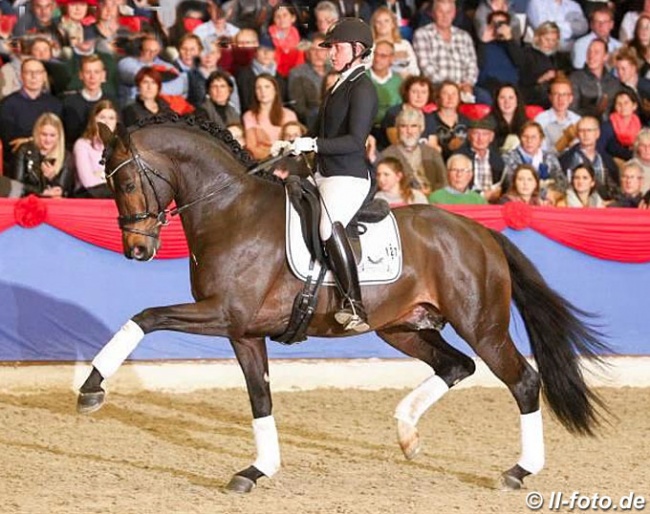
(381,262)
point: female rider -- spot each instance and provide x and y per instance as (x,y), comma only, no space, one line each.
(342,172)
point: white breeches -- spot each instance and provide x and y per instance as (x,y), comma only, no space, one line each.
(341,197)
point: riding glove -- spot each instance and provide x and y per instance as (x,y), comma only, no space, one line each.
(304,144)
(281,147)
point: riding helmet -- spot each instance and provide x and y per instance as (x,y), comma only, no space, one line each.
(348,30)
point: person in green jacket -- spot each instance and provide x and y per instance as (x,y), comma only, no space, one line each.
(459,178)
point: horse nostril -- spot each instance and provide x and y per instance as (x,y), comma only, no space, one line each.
(139,252)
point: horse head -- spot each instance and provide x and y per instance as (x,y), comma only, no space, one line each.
(133,182)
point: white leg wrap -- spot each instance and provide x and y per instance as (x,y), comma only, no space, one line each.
(532,442)
(416,403)
(115,352)
(267,444)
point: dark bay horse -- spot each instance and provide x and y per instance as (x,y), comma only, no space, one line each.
(455,271)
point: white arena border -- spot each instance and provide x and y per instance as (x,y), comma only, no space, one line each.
(286,375)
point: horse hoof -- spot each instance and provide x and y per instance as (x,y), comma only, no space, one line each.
(87,403)
(409,439)
(510,483)
(239,484)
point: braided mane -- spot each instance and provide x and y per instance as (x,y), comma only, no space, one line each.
(212,128)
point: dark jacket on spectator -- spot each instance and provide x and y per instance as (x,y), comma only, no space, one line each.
(535,65)
(593,96)
(222,115)
(499,63)
(246,85)
(136,111)
(496,161)
(27,169)
(606,176)
(76,111)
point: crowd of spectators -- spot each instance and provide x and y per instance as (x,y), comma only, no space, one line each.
(480,101)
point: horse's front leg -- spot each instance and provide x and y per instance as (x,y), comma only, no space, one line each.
(252,357)
(194,318)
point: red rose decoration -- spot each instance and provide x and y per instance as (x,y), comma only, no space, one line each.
(30,212)
(517,215)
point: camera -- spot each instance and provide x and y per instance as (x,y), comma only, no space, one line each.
(496,26)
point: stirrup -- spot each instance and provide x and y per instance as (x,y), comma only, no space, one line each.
(351,321)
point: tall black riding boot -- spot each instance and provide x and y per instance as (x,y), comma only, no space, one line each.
(340,259)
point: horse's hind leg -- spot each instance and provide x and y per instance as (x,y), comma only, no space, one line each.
(493,344)
(450,366)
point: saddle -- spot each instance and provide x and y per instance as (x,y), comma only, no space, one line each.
(305,199)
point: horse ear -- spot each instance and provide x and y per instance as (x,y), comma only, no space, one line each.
(105,134)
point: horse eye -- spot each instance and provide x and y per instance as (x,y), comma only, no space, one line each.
(129,188)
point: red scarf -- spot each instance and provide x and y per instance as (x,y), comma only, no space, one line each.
(625,131)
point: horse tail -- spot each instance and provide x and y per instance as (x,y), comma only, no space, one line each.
(557,338)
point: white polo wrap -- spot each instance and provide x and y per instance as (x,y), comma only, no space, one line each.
(115,352)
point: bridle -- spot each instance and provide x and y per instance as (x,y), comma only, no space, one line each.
(148,173)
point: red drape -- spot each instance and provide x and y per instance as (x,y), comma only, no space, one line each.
(612,234)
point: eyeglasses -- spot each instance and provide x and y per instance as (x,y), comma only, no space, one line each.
(33,73)
(459,170)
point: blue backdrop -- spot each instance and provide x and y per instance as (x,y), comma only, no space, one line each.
(62,299)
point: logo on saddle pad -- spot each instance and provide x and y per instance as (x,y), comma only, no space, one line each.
(381,252)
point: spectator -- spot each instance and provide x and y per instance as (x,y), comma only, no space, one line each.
(286,39)
(326,14)
(540,65)
(247,14)
(263,122)
(385,27)
(586,152)
(20,110)
(486,160)
(524,187)
(618,134)
(106,31)
(77,106)
(305,82)
(216,107)
(627,69)
(450,127)
(641,43)
(582,191)
(147,102)
(559,118)
(509,116)
(386,83)
(208,64)
(459,177)
(240,53)
(487,7)
(626,30)
(417,92)
(632,187)
(43,165)
(499,55)
(402,11)
(420,161)
(553,181)
(393,184)
(567,14)
(88,150)
(173,82)
(58,74)
(39,19)
(264,62)
(217,28)
(593,87)
(601,21)
(642,153)
(10,80)
(75,33)
(445,52)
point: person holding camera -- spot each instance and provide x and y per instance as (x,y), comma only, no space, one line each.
(486,8)
(500,56)
(43,165)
